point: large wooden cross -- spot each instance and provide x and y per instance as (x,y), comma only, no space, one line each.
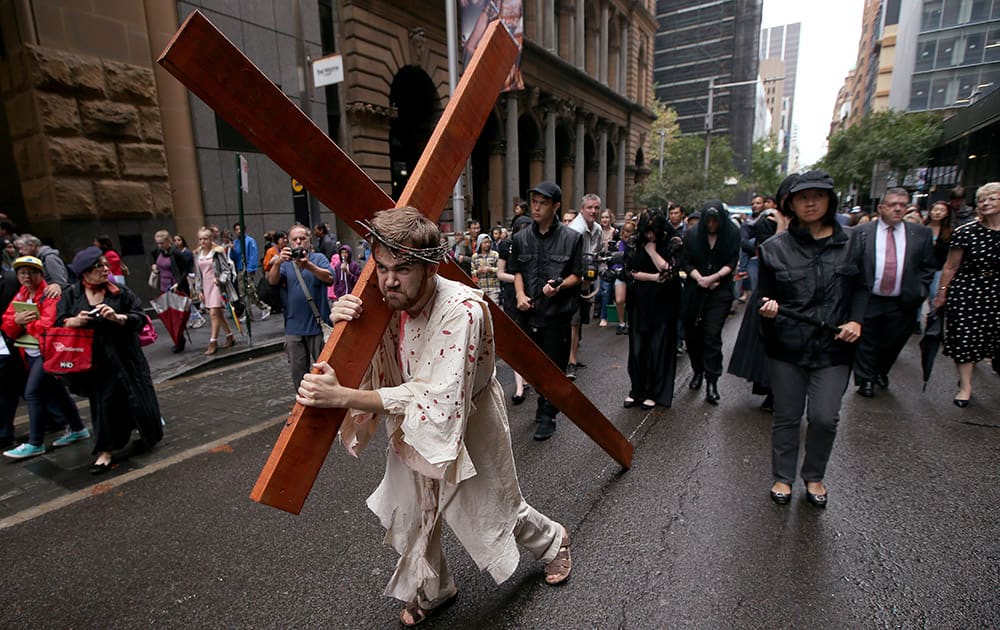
(201,57)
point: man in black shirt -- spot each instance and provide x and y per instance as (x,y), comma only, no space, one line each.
(547,263)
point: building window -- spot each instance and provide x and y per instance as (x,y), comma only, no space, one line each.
(919,94)
(941,86)
(973,48)
(931,18)
(950,14)
(967,80)
(946,52)
(992,48)
(925,55)
(980,11)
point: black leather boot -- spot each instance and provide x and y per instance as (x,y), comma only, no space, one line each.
(696,380)
(711,393)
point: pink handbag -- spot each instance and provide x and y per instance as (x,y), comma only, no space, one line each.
(147,336)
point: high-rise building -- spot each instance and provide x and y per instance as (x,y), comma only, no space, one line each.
(701,42)
(779,60)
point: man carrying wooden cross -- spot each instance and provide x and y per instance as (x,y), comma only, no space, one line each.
(433,377)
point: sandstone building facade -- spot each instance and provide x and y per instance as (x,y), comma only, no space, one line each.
(94,137)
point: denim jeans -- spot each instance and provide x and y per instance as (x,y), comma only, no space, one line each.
(41,391)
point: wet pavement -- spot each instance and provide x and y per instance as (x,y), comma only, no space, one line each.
(688,538)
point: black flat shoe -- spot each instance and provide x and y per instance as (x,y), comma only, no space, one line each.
(768,404)
(882,381)
(867,389)
(961,404)
(819,500)
(629,403)
(97,469)
(711,393)
(647,405)
(517,399)
(696,380)
(781,498)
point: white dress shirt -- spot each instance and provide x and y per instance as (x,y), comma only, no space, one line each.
(899,234)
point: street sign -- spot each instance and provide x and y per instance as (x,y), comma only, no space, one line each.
(328,70)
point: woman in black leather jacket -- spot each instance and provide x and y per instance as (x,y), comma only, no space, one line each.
(813,268)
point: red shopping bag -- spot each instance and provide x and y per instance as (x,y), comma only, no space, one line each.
(68,350)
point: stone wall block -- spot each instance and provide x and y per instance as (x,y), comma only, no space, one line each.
(143,160)
(74,198)
(132,84)
(29,156)
(79,156)
(118,199)
(39,198)
(106,119)
(56,71)
(150,125)
(22,118)
(163,200)
(57,114)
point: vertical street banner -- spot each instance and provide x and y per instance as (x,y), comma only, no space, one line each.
(476,14)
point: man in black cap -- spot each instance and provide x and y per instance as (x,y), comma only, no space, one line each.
(547,263)
(711,252)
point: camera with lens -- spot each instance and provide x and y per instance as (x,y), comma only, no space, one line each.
(299,253)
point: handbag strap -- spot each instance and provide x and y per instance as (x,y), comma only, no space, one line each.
(309,298)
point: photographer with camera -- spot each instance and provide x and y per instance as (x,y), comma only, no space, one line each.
(303,277)
(586,224)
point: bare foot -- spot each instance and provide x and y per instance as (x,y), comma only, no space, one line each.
(815,487)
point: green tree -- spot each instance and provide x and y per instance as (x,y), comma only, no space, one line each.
(765,167)
(684,180)
(665,127)
(900,140)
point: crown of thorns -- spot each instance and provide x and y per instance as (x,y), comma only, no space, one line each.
(431,255)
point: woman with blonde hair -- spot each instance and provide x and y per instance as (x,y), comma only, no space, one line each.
(213,282)
(970,291)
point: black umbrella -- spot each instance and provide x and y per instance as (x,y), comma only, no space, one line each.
(784,311)
(930,343)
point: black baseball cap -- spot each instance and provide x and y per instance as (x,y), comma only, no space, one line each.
(548,189)
(812,179)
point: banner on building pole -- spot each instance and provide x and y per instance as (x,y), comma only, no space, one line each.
(476,14)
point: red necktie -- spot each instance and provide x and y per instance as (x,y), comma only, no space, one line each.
(889,268)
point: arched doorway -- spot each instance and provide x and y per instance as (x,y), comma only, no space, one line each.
(528,137)
(564,164)
(416,101)
(481,184)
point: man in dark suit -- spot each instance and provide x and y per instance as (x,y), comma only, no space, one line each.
(899,266)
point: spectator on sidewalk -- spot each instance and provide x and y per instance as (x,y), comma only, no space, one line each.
(213,283)
(11,367)
(585,223)
(196,320)
(120,388)
(345,273)
(484,268)
(9,254)
(40,388)
(172,269)
(326,243)
(246,279)
(117,268)
(303,276)
(56,276)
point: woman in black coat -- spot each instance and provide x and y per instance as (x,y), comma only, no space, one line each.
(813,268)
(653,306)
(119,385)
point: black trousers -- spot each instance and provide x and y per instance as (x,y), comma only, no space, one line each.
(12,375)
(703,322)
(554,341)
(887,327)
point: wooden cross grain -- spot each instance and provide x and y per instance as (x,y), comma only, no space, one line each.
(235,88)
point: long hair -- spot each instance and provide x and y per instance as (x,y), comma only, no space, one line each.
(946,227)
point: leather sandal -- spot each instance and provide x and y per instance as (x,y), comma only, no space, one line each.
(557,571)
(418,615)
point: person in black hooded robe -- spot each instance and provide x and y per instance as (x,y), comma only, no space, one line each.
(711,252)
(653,307)
(748,359)
(119,385)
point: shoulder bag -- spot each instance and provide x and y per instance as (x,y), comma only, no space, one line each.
(68,350)
(326,328)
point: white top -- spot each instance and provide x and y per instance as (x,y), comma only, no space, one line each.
(899,234)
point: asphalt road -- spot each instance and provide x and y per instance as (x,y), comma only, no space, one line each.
(688,538)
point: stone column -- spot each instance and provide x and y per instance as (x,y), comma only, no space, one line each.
(567,183)
(495,198)
(602,162)
(580,40)
(622,159)
(602,48)
(510,166)
(623,60)
(536,168)
(579,166)
(550,142)
(539,21)
(550,25)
